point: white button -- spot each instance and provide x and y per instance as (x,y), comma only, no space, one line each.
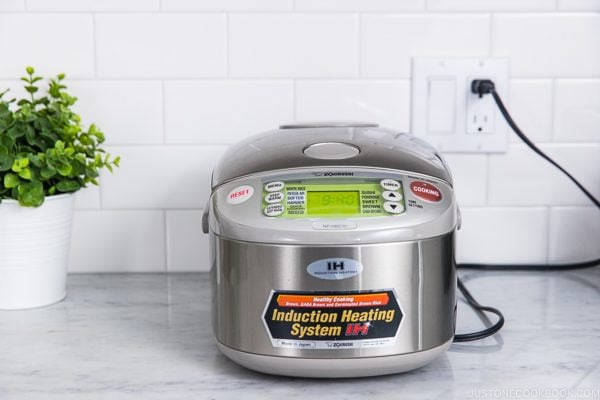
(391,196)
(273,210)
(275,197)
(392,207)
(334,226)
(331,151)
(274,186)
(240,194)
(390,184)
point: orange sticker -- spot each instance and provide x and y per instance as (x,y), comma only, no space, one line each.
(333,301)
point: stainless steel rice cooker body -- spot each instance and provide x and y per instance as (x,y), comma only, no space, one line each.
(332,250)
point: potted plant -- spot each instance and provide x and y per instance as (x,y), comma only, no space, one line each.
(45,156)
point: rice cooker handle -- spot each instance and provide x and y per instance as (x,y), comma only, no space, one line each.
(205,219)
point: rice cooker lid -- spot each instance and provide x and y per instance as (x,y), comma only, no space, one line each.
(323,144)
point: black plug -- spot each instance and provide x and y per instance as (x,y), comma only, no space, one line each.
(482,86)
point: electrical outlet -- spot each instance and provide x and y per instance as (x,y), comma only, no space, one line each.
(480,114)
(448,115)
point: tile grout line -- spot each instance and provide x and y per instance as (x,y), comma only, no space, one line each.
(366,79)
(222,144)
(553,112)
(164,114)
(359,47)
(94,40)
(295,100)
(548,231)
(227,46)
(487,180)
(491,37)
(166,243)
(409,12)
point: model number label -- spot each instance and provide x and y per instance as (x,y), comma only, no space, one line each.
(334,268)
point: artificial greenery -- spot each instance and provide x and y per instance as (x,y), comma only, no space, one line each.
(44,150)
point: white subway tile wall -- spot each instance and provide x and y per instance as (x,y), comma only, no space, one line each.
(129,111)
(293,45)
(531,106)
(386,102)
(174,82)
(160,45)
(577,117)
(213,112)
(389,41)
(31,39)
(548,45)
(186,244)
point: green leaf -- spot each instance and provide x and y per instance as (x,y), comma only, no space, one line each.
(31,194)
(30,135)
(30,70)
(19,164)
(91,173)
(11,180)
(68,186)
(63,167)
(7,141)
(25,174)
(47,172)
(35,160)
(6,159)
(16,131)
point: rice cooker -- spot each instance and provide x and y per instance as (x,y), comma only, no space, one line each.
(332,251)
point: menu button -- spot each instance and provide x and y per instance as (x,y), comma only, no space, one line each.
(273,210)
(274,186)
(391,196)
(390,184)
(393,208)
(275,197)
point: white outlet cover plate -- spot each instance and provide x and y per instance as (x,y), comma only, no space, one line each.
(460,135)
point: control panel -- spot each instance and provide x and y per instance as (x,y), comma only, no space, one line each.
(348,198)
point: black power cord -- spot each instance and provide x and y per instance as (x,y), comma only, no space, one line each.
(482,87)
(468,337)
(485,86)
(531,267)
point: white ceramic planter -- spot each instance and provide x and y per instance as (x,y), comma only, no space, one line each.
(34,251)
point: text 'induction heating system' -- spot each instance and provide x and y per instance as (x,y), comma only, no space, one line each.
(332,249)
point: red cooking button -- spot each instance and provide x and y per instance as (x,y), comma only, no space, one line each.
(426,191)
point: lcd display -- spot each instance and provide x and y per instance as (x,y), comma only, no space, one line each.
(329,202)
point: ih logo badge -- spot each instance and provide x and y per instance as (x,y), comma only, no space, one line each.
(335,265)
(334,268)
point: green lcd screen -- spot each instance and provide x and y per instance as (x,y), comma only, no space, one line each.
(339,202)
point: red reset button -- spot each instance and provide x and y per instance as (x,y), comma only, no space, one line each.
(426,191)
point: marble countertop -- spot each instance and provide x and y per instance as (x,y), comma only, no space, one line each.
(148,336)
